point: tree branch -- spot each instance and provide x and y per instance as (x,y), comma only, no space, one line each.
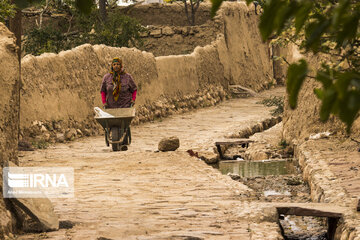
(186,11)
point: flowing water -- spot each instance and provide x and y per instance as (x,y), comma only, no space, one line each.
(257,168)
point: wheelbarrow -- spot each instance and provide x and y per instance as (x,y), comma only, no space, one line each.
(116,124)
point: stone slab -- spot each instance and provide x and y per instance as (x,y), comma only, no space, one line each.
(300,211)
(39,209)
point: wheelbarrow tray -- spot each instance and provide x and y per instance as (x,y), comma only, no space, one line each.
(121,117)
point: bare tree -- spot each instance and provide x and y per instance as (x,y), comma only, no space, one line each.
(39,24)
(193,5)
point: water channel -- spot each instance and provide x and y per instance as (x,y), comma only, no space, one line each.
(278,180)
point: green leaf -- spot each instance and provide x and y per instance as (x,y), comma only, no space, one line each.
(353,103)
(339,12)
(328,100)
(296,76)
(342,83)
(355,82)
(287,12)
(350,108)
(325,77)
(314,32)
(84,6)
(340,96)
(215,7)
(268,20)
(349,29)
(319,93)
(302,15)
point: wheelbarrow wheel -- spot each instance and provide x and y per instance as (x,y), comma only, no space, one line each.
(127,139)
(115,136)
(129,136)
(107,137)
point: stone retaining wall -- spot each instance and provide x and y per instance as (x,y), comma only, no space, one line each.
(325,186)
(155,31)
(177,40)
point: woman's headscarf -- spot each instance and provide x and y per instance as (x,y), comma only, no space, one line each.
(116,78)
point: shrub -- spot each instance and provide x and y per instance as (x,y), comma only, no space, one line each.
(40,144)
(46,39)
(6,10)
(119,31)
(283,144)
(274,101)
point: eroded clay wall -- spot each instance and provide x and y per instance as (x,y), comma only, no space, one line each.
(65,86)
(177,73)
(9,105)
(9,96)
(249,59)
(303,121)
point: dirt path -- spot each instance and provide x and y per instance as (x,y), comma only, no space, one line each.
(142,194)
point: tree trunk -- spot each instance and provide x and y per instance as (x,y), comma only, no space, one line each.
(193,17)
(192,13)
(102,8)
(16,27)
(197,4)
(193,5)
(187,12)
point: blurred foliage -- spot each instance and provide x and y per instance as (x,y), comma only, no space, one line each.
(84,6)
(276,101)
(6,10)
(118,31)
(46,39)
(25,3)
(328,27)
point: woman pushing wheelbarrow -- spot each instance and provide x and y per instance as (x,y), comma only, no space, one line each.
(118,94)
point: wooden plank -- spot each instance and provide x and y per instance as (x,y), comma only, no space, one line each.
(220,152)
(300,211)
(235,142)
(332,225)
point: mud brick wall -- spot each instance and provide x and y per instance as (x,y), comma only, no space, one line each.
(9,114)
